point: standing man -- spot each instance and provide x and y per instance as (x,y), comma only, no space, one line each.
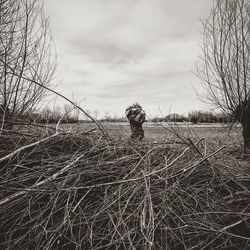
(136,117)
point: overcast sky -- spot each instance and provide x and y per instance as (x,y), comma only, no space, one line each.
(112,53)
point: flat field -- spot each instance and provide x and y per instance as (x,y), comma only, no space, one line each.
(165,131)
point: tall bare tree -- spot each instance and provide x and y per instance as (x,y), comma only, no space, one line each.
(224,66)
(27,55)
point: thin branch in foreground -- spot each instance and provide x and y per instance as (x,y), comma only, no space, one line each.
(53,177)
(19,150)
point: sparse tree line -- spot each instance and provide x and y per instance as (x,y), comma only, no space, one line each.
(53,115)
(196,116)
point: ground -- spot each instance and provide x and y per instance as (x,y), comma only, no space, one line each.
(164,131)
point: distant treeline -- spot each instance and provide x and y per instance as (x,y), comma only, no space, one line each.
(196,116)
(69,115)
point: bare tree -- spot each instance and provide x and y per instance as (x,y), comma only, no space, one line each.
(96,113)
(224,66)
(27,55)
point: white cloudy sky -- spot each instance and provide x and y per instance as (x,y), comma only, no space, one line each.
(112,53)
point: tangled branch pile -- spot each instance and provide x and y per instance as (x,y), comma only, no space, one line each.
(81,191)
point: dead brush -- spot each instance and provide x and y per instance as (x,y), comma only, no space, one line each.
(82,191)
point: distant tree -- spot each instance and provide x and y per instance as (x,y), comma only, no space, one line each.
(107,116)
(56,114)
(193,117)
(224,66)
(67,112)
(96,113)
(175,118)
(158,119)
(45,115)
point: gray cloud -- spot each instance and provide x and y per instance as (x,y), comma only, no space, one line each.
(114,52)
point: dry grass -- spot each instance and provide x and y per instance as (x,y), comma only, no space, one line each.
(79,190)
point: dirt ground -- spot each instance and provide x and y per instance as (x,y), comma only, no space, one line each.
(164,131)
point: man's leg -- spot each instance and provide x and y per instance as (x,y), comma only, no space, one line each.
(133,129)
(140,132)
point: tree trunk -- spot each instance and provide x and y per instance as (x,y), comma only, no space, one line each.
(245,122)
(5,118)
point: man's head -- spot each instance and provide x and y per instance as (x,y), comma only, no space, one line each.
(135,114)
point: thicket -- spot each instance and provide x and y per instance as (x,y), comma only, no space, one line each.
(63,189)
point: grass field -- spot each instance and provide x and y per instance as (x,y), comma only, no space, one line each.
(164,131)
